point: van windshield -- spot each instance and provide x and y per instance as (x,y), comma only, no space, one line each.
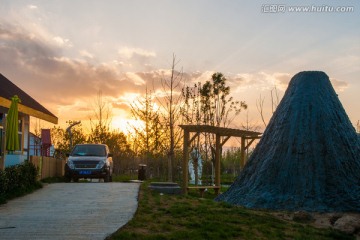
(89,150)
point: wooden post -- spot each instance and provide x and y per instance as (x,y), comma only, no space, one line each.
(185,161)
(22,143)
(242,153)
(196,167)
(217,160)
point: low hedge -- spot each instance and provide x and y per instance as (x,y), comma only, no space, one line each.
(18,180)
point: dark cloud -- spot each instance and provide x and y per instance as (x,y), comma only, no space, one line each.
(25,45)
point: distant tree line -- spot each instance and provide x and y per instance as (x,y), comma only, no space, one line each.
(158,141)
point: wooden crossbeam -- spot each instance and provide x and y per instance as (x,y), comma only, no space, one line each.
(227,133)
(249,143)
(225,140)
(193,138)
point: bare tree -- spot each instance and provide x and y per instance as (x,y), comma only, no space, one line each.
(170,104)
(100,120)
(249,126)
(275,100)
(37,126)
(260,108)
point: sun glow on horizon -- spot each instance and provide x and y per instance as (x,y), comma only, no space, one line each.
(126,125)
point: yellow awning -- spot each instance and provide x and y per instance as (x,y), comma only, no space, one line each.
(29,111)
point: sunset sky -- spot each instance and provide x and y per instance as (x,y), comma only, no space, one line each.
(62,52)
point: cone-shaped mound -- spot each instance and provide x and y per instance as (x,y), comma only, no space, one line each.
(309,155)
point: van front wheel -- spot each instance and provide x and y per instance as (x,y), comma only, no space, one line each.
(107,178)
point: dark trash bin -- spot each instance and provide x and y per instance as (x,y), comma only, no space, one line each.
(142,172)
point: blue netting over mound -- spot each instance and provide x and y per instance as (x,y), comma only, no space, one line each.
(309,155)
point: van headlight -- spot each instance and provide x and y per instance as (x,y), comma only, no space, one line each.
(70,164)
(100,165)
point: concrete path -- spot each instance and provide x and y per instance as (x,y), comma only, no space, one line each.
(69,211)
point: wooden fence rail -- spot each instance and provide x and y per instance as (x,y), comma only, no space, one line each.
(48,166)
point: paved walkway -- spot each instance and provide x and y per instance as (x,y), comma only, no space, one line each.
(69,211)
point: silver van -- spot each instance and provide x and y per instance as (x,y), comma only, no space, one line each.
(89,161)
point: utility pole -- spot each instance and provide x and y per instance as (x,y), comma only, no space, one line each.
(68,129)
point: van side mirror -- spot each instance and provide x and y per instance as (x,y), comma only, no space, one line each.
(67,154)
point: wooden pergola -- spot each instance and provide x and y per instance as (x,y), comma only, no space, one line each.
(222,136)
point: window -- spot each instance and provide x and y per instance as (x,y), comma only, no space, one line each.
(1,132)
(1,140)
(89,150)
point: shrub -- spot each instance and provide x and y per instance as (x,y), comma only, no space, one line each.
(17,180)
(3,183)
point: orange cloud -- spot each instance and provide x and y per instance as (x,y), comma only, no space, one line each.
(66,85)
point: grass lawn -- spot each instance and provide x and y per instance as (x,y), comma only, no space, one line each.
(190,217)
